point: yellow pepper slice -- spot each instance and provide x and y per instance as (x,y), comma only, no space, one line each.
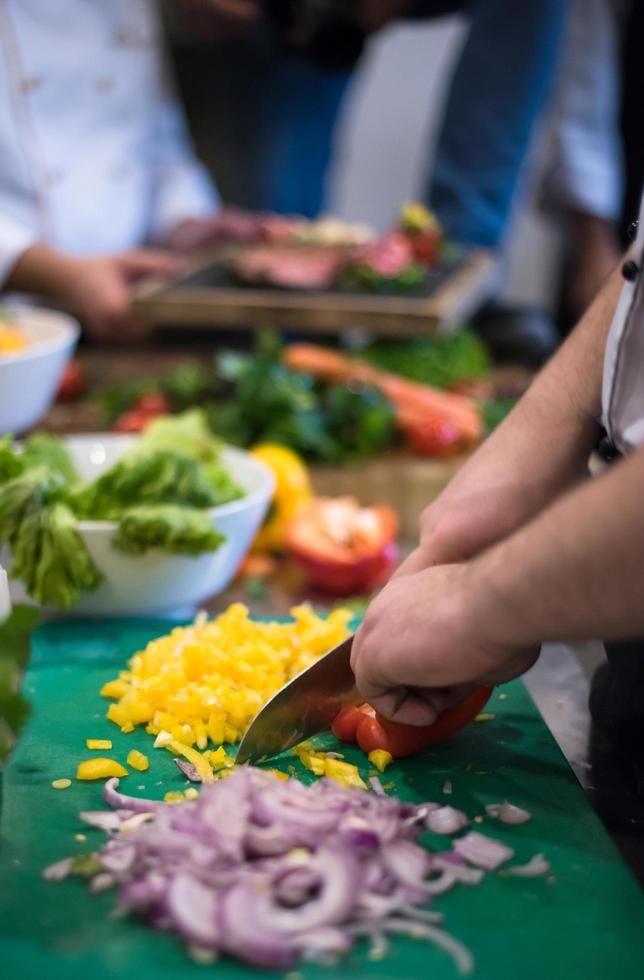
(98,743)
(380,759)
(61,783)
(137,760)
(343,773)
(100,768)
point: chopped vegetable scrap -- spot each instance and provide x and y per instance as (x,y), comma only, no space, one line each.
(137,760)
(103,744)
(61,783)
(325,764)
(204,683)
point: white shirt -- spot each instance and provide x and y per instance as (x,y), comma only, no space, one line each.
(623,382)
(94,154)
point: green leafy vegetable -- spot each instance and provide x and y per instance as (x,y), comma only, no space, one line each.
(50,557)
(178,530)
(270,403)
(187,434)
(439,361)
(15,636)
(156,477)
(364,276)
(50,452)
(11,464)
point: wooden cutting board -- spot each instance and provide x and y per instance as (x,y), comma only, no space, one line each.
(583,921)
(206,295)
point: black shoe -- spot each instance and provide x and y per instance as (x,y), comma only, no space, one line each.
(525,337)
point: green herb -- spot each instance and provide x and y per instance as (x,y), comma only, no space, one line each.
(440,361)
(365,277)
(178,530)
(270,403)
(15,641)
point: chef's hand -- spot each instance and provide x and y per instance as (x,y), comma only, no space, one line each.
(99,290)
(224,226)
(436,633)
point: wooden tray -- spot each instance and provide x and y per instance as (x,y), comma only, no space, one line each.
(207,295)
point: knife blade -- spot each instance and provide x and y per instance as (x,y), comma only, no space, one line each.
(303,707)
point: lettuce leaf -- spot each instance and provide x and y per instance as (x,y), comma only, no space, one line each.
(50,451)
(154,477)
(179,530)
(187,434)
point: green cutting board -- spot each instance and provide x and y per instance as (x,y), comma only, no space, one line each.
(585,920)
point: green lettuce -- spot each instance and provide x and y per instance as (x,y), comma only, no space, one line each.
(178,530)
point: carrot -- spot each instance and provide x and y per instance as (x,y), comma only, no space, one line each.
(415,404)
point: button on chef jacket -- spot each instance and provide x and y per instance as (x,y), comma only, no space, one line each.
(94,154)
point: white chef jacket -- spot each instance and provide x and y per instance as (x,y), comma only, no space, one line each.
(623,381)
(94,152)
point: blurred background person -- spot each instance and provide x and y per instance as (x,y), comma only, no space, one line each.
(95,158)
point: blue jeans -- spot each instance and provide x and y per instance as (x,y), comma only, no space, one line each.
(498,90)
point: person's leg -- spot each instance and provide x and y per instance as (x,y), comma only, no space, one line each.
(502,81)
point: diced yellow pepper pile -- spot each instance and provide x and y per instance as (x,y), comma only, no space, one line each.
(205,683)
(325,764)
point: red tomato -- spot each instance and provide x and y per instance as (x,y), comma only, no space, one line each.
(426,245)
(132,421)
(345,723)
(341,547)
(73,382)
(430,435)
(154,403)
(400,740)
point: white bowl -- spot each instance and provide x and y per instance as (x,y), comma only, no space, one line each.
(29,378)
(157,582)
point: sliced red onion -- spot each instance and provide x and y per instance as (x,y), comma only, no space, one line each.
(102,882)
(103,819)
(58,871)
(484,852)
(446,820)
(463,959)
(192,906)
(188,770)
(409,863)
(272,872)
(537,867)
(118,800)
(377,786)
(508,813)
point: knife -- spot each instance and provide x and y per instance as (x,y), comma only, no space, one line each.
(305,706)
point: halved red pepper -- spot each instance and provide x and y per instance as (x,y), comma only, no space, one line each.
(342,547)
(372,731)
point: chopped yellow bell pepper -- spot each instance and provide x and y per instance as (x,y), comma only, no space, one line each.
(98,743)
(320,764)
(204,683)
(343,773)
(61,783)
(278,774)
(137,760)
(380,759)
(100,769)
(174,796)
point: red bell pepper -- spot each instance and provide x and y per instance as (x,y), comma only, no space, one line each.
(341,547)
(372,731)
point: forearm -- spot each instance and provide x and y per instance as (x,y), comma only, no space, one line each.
(554,426)
(41,269)
(576,571)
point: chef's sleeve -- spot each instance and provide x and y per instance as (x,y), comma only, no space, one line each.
(15,237)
